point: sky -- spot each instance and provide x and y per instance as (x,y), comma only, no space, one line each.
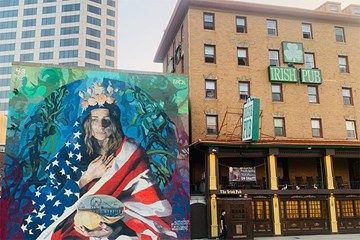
(142,24)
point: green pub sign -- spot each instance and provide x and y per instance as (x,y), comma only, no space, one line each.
(250,120)
(310,76)
(293,52)
(283,74)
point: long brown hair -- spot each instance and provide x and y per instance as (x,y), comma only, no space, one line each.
(115,139)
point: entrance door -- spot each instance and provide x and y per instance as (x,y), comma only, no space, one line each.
(238,218)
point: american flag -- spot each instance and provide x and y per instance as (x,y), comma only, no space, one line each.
(129,180)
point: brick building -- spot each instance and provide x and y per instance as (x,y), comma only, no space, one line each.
(302,172)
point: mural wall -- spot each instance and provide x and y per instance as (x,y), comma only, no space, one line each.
(95,154)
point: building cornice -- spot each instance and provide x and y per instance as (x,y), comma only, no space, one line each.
(182,7)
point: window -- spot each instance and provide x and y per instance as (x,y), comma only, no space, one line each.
(109,63)
(30,11)
(274,58)
(70,19)
(110,53)
(279,127)
(96,1)
(210,89)
(244,90)
(69,42)
(211,124)
(70,7)
(339,34)
(9,35)
(306,30)
(276,93)
(5,71)
(110,22)
(110,32)
(8,24)
(27,57)
(209,21)
(48,21)
(91,65)
(93,9)
(92,43)
(7,47)
(272,27)
(350,129)
(27,34)
(110,12)
(111,3)
(27,45)
(309,60)
(313,94)
(316,127)
(48,1)
(343,64)
(347,96)
(47,32)
(334,9)
(110,42)
(69,63)
(46,55)
(29,22)
(94,21)
(69,30)
(242,56)
(210,54)
(241,25)
(50,9)
(9,13)
(26,2)
(92,55)
(93,32)
(68,54)
(47,44)
(6,58)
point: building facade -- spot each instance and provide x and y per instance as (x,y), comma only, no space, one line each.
(74,33)
(302,172)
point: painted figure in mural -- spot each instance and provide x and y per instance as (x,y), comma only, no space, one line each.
(99,185)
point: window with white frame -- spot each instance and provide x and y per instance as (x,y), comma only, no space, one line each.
(316,127)
(274,58)
(209,21)
(210,54)
(347,96)
(279,127)
(306,30)
(276,93)
(243,57)
(272,27)
(241,25)
(313,94)
(339,34)
(350,129)
(210,91)
(343,64)
(211,124)
(309,60)
(244,90)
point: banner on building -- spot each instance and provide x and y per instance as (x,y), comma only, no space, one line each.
(242,174)
(95,153)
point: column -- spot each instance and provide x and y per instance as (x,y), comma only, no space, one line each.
(329,172)
(333,220)
(214,220)
(276,211)
(212,171)
(272,172)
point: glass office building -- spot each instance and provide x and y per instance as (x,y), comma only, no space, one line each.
(75,33)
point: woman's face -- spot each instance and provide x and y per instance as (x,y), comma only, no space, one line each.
(100,124)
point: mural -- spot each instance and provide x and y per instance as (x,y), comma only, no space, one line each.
(95,154)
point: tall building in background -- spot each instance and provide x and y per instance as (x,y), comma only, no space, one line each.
(74,33)
(298,170)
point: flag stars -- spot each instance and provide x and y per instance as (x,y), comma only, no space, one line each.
(67,162)
(55,163)
(76,124)
(50,197)
(54,217)
(57,203)
(42,206)
(62,171)
(56,155)
(28,219)
(40,215)
(41,227)
(74,168)
(67,144)
(68,192)
(77,146)
(78,156)
(24,228)
(52,176)
(37,193)
(70,154)
(77,134)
